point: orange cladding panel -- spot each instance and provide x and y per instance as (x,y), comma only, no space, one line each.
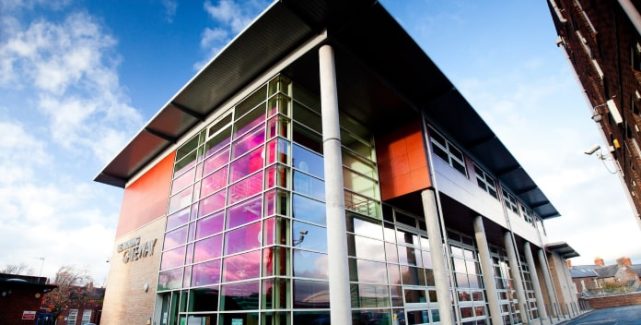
(402,162)
(146,199)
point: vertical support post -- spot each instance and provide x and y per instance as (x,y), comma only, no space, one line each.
(488,271)
(515,270)
(548,283)
(441,277)
(538,293)
(339,289)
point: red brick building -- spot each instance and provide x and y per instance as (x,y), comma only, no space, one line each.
(602,41)
(21,297)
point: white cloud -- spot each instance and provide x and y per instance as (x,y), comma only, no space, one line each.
(230,18)
(170,7)
(73,69)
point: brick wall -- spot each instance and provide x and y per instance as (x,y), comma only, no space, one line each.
(614,301)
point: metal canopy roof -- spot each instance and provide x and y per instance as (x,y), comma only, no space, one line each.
(368,34)
(562,249)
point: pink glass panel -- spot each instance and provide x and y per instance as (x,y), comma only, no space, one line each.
(269,230)
(176,238)
(180,200)
(271,151)
(190,254)
(246,188)
(245,212)
(212,203)
(206,273)
(207,249)
(210,225)
(214,182)
(199,171)
(173,258)
(177,218)
(216,161)
(182,181)
(192,231)
(248,142)
(217,146)
(247,164)
(187,277)
(194,211)
(241,267)
(242,239)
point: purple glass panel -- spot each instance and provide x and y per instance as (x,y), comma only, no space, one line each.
(212,203)
(187,277)
(210,225)
(269,227)
(212,146)
(242,239)
(180,200)
(192,231)
(199,171)
(206,273)
(182,181)
(247,164)
(248,142)
(270,150)
(194,211)
(173,258)
(214,182)
(216,161)
(240,296)
(190,254)
(207,249)
(241,267)
(246,188)
(175,238)
(245,212)
(178,218)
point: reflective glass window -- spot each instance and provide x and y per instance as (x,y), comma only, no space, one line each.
(368,271)
(240,296)
(183,181)
(170,279)
(207,248)
(242,266)
(206,273)
(391,253)
(245,188)
(216,161)
(366,228)
(408,255)
(309,236)
(214,182)
(369,248)
(173,258)
(176,238)
(247,164)
(415,296)
(310,264)
(308,209)
(412,275)
(180,200)
(249,121)
(310,294)
(211,203)
(248,142)
(369,296)
(209,225)
(203,299)
(309,186)
(242,239)
(307,161)
(245,212)
(177,219)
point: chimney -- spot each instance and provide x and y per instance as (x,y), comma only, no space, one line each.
(568,263)
(599,262)
(624,261)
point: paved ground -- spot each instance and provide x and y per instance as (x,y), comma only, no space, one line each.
(629,315)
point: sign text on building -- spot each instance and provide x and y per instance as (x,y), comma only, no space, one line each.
(133,249)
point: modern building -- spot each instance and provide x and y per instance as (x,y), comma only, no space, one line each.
(322,168)
(602,40)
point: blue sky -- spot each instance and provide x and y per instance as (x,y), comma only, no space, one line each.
(79,78)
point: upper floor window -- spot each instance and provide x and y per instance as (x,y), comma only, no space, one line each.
(510,202)
(527,214)
(448,152)
(485,182)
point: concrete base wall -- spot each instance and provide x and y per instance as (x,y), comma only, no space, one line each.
(614,301)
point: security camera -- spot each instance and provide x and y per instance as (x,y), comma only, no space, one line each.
(592,150)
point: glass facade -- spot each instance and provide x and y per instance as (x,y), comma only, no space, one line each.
(505,287)
(246,238)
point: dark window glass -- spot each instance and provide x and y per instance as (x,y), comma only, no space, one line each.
(307,138)
(309,236)
(418,317)
(251,101)
(309,186)
(240,296)
(309,210)
(187,148)
(371,317)
(249,121)
(412,275)
(307,161)
(408,255)
(441,153)
(203,299)
(206,273)
(307,117)
(310,294)
(415,296)
(310,265)
(242,267)
(369,296)
(275,294)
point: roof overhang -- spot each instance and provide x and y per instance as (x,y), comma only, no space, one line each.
(562,249)
(363,32)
